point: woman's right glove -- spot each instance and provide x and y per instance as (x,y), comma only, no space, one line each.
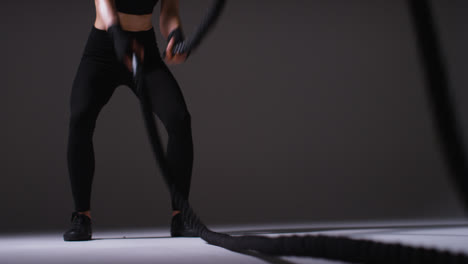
(122,42)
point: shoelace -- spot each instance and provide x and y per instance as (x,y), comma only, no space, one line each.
(77,221)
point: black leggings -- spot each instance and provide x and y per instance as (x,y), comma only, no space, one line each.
(97,77)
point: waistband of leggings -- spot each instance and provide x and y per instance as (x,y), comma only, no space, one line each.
(143,36)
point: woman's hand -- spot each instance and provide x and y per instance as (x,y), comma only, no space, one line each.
(174,59)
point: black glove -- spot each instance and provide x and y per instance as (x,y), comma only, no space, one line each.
(179,45)
(122,42)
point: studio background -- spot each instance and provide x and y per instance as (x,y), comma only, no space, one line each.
(302,111)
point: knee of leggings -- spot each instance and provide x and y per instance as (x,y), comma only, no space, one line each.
(179,123)
(82,118)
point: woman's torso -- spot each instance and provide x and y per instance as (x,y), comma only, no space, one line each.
(134,15)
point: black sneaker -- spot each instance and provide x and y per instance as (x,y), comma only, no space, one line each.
(181,229)
(80,228)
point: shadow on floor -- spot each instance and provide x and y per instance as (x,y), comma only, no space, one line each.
(391,229)
(131,237)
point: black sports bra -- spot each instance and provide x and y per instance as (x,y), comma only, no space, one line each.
(135,7)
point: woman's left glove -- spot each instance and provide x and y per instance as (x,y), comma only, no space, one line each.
(176,44)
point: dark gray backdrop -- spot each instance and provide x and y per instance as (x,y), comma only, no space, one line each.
(302,111)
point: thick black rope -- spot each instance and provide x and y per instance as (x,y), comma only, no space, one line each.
(319,246)
(440,98)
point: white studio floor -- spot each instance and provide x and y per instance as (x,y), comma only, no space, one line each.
(155,245)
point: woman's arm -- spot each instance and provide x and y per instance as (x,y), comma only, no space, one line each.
(106,12)
(169,22)
(169,17)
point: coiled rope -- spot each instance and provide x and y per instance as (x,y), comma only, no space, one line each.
(334,247)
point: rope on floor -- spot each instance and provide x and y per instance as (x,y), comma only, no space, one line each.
(336,247)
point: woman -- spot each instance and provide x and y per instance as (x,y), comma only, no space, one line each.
(123,27)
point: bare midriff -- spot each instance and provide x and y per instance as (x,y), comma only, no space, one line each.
(128,22)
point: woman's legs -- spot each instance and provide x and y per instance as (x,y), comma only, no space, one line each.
(97,77)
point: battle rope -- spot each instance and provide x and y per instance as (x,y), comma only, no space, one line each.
(438,89)
(319,246)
